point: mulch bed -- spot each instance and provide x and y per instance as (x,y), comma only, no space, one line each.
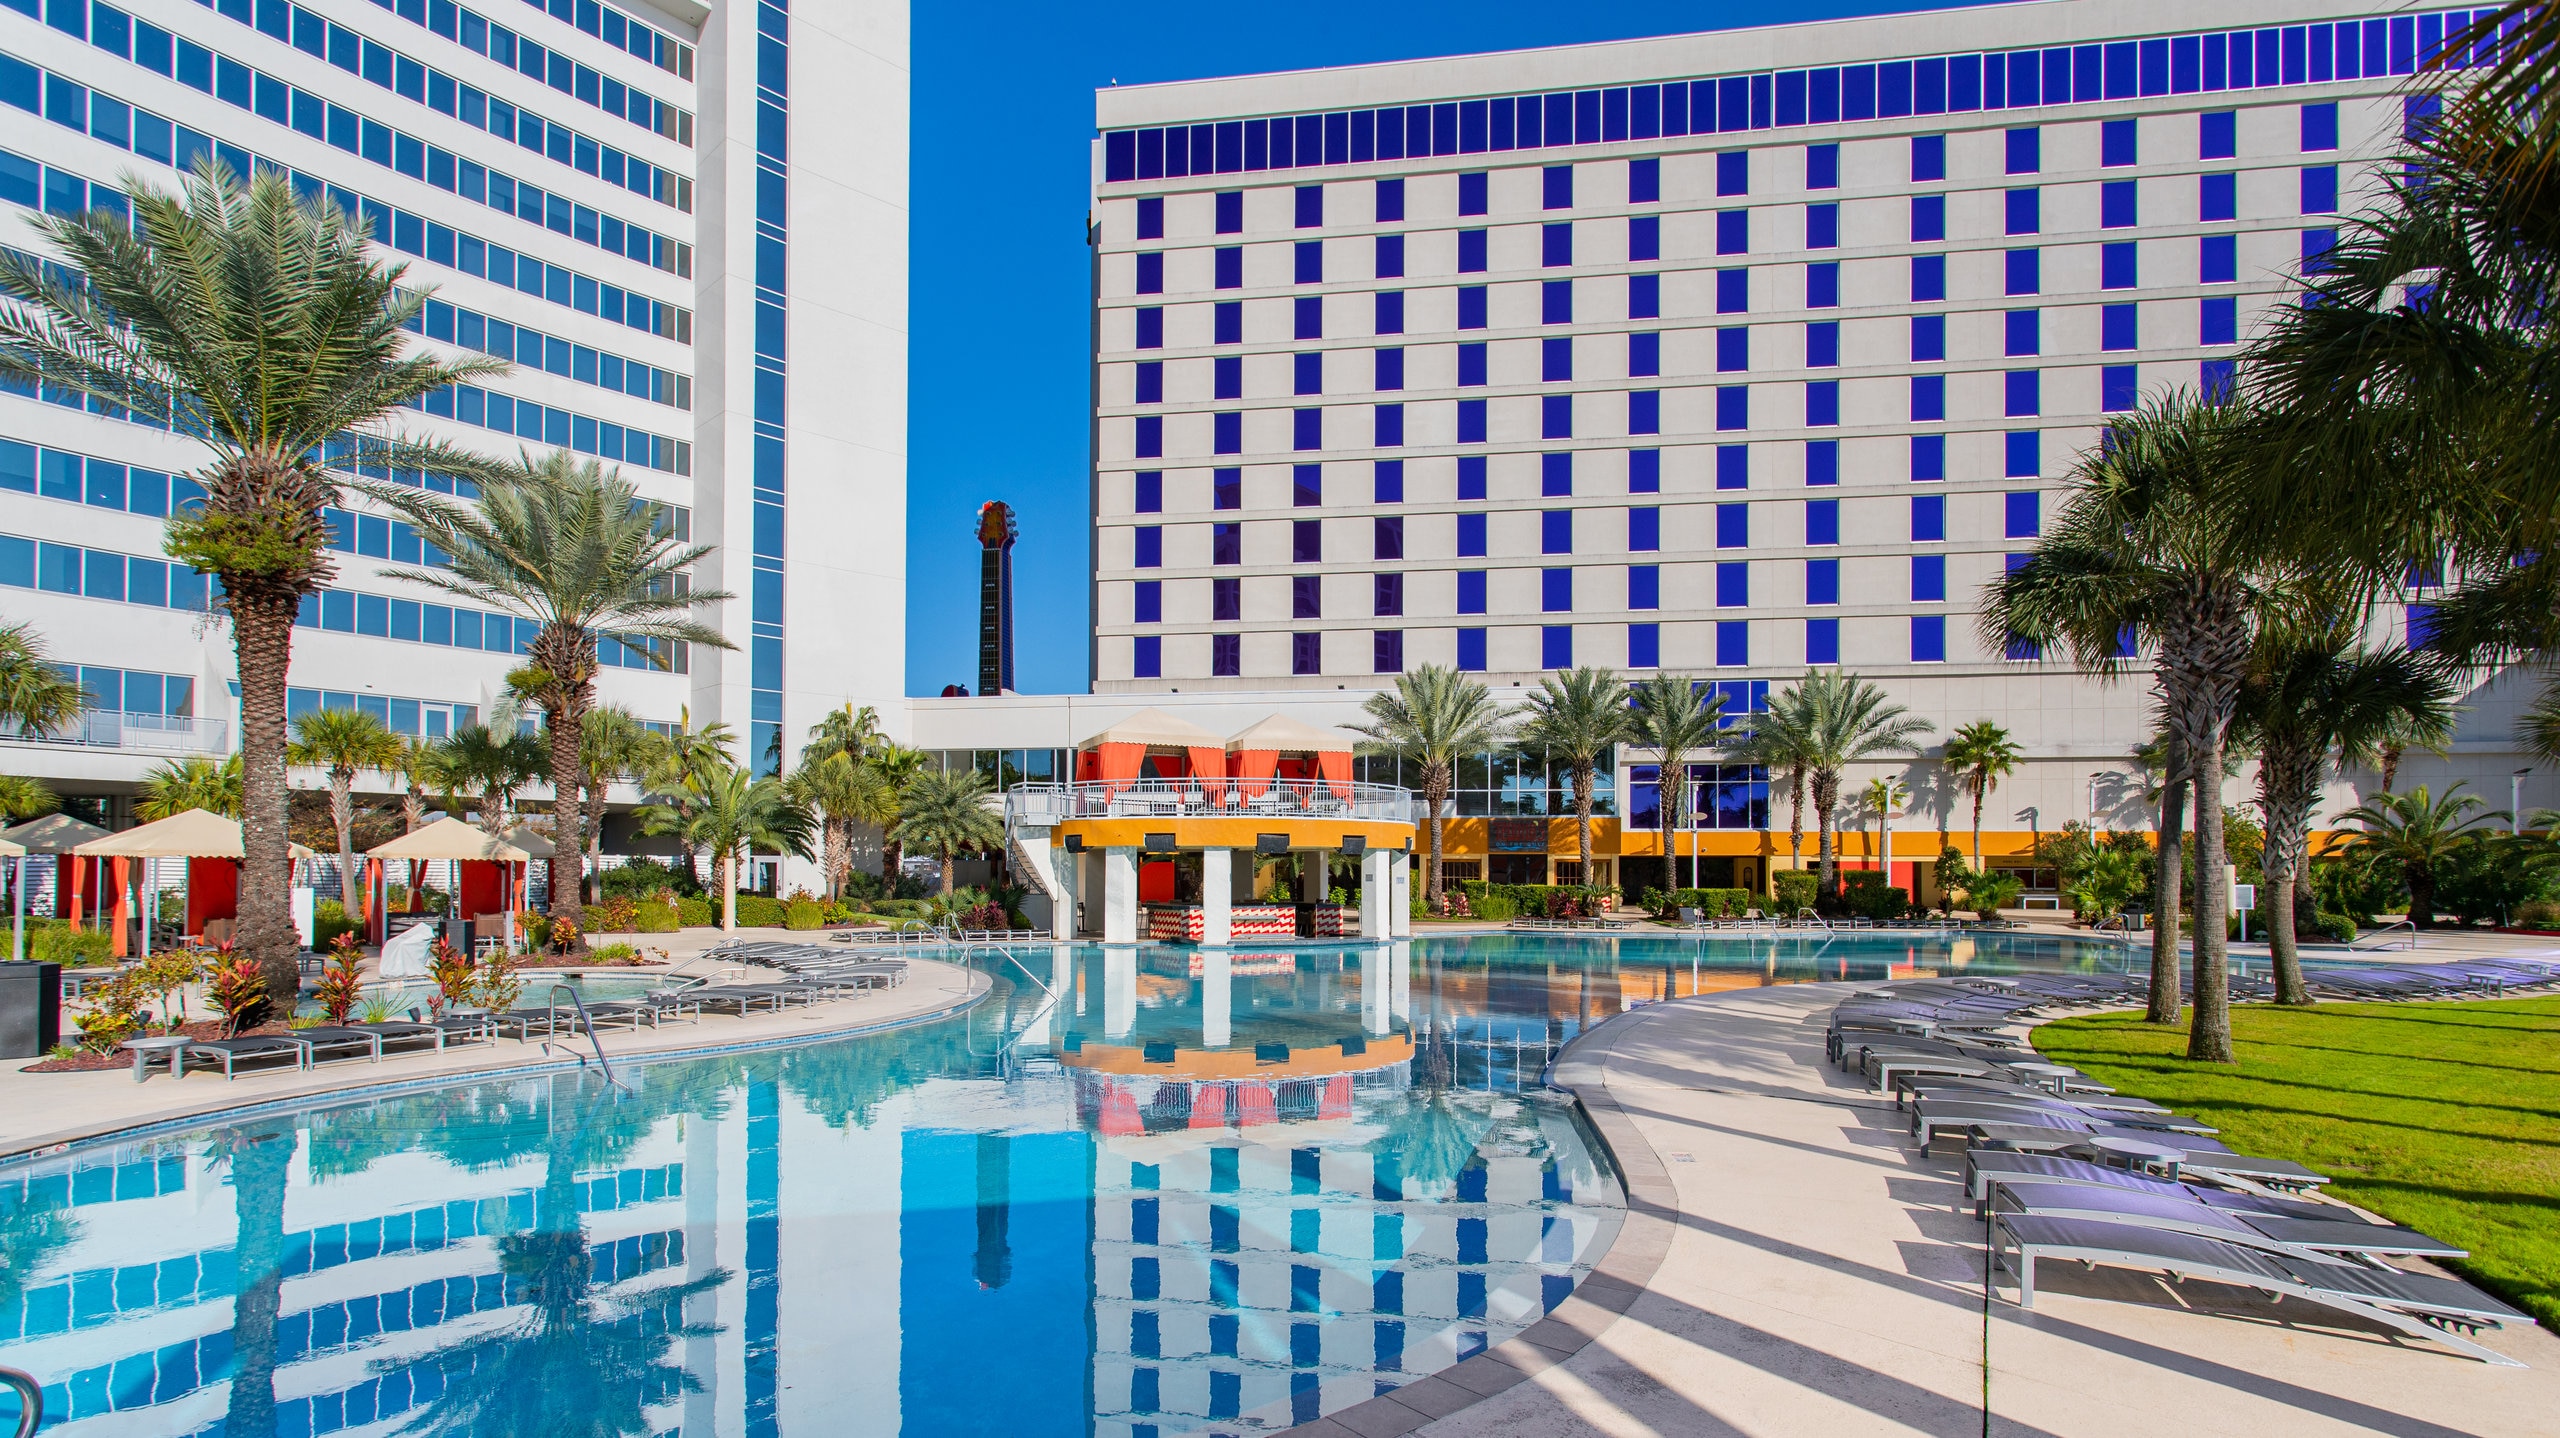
(120,1059)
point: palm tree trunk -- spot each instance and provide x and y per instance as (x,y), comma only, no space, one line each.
(728,868)
(2287,795)
(2209,1033)
(598,788)
(2166,881)
(2390,765)
(1436,796)
(262,648)
(342,817)
(946,872)
(1825,795)
(1795,819)
(893,857)
(260,1166)
(1582,778)
(1977,826)
(566,722)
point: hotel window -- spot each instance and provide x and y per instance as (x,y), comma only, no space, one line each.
(1822,581)
(2025,152)
(2218,197)
(2022,393)
(1733,526)
(1226,433)
(2119,388)
(1387,536)
(1386,595)
(1387,482)
(2025,272)
(1821,403)
(1822,641)
(1151,272)
(1733,643)
(1471,651)
(1733,466)
(2024,511)
(1310,208)
(1928,518)
(1151,382)
(1306,653)
(1555,245)
(1231,212)
(1928,638)
(1471,589)
(2218,261)
(1928,337)
(2320,126)
(1555,302)
(1471,307)
(1229,268)
(1226,544)
(1733,172)
(1644,471)
(1928,457)
(2023,332)
(1928,218)
(1555,531)
(1306,596)
(2119,207)
(1822,344)
(1228,323)
(2118,328)
(1928,277)
(1390,257)
(1644,586)
(1471,536)
(2319,189)
(1226,489)
(1472,193)
(1306,541)
(2218,135)
(1389,369)
(1147,602)
(1928,397)
(1151,328)
(1733,232)
(1555,416)
(1309,313)
(1146,660)
(1558,187)
(1822,167)
(1151,217)
(1733,349)
(1390,200)
(1928,157)
(1555,475)
(1150,491)
(1644,529)
(1555,646)
(1822,227)
(1226,599)
(1555,358)
(1390,312)
(2219,323)
(1822,521)
(1307,370)
(1644,237)
(1555,591)
(1644,181)
(2118,265)
(1733,407)
(2024,453)
(1386,657)
(1471,468)
(1644,646)
(1644,355)
(1149,546)
(1226,655)
(1644,296)
(2118,143)
(2024,211)
(1929,578)
(1306,485)
(1471,252)
(1733,584)
(1822,285)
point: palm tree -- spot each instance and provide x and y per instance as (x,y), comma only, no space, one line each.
(613,746)
(2149,544)
(476,760)
(570,545)
(257,324)
(345,742)
(1578,716)
(1431,719)
(1981,754)
(37,696)
(195,782)
(1884,795)
(22,798)
(1842,720)
(842,792)
(687,762)
(2305,696)
(732,814)
(947,812)
(1675,719)
(2414,834)
(420,768)
(1779,741)
(900,766)
(854,733)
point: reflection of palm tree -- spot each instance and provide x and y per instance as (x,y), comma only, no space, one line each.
(260,1160)
(32,1231)
(1430,1140)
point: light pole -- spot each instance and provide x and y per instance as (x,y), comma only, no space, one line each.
(2515,801)
(2093,797)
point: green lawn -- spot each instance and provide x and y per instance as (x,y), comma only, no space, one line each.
(2445,1117)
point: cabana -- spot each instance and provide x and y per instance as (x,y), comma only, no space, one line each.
(57,836)
(1284,748)
(487,867)
(18,931)
(212,847)
(1152,744)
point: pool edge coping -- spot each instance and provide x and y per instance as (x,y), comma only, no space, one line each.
(1624,1274)
(54,1144)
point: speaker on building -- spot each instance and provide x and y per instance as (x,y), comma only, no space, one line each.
(1354,844)
(1159,843)
(1075,843)
(1271,843)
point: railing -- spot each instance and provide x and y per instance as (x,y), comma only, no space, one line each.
(1039,806)
(2397,934)
(159,733)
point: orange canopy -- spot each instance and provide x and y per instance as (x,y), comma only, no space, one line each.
(1257,750)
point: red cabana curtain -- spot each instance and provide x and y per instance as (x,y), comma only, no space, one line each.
(1254,769)
(1335,769)
(213,892)
(123,873)
(1209,766)
(1118,765)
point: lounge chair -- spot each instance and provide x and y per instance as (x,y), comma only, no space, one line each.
(1929,1116)
(417,1034)
(2318,1238)
(230,1053)
(2417,1304)
(1986,1170)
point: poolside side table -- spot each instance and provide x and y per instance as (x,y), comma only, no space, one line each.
(2152,1160)
(145,1050)
(2044,1075)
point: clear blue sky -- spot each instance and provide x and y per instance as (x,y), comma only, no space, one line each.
(1003,123)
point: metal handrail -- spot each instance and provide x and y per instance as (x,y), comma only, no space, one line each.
(1043,805)
(593,1038)
(2384,932)
(30,1400)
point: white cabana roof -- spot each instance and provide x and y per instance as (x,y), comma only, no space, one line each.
(192,834)
(1155,729)
(451,838)
(53,834)
(1291,736)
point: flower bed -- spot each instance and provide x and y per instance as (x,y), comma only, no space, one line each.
(119,1060)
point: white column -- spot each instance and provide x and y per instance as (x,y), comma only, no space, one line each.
(1374,885)
(1315,881)
(1120,896)
(1217,897)
(1119,991)
(1217,998)
(1400,896)
(1063,871)
(1374,964)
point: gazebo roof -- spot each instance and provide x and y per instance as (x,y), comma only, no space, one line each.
(450,838)
(191,834)
(53,834)
(1291,736)
(1155,729)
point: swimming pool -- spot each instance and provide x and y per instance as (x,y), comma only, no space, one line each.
(1138,1193)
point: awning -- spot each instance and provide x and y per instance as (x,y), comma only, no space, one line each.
(52,834)
(1257,750)
(194,834)
(1117,753)
(451,838)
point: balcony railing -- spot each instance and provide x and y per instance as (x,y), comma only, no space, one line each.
(1039,806)
(153,733)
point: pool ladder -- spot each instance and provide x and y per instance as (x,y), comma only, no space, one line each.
(593,1038)
(30,1400)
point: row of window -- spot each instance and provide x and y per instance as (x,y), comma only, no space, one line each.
(1928,573)
(552,425)
(2022,512)
(249,88)
(1730,647)
(179,147)
(383,617)
(104,574)
(132,691)
(78,479)
(1958,84)
(608,23)
(487,38)
(418,718)
(531,349)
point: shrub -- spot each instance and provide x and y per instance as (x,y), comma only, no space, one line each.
(656,916)
(1869,897)
(803,914)
(453,974)
(695,914)
(56,942)
(1710,903)
(2537,914)
(240,991)
(846,912)
(496,984)
(616,914)
(904,908)
(614,952)
(1795,889)
(115,1015)
(329,920)
(342,980)
(641,877)
(1495,908)
(1545,900)
(758,912)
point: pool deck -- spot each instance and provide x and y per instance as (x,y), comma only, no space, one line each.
(1791,1265)
(40,1112)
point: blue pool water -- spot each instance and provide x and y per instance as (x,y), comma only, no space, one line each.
(1137,1193)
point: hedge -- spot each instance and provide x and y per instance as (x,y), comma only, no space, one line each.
(1712,903)
(1534,900)
(758,912)
(695,913)
(805,914)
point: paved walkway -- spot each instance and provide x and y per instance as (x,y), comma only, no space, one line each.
(1791,1266)
(41,1111)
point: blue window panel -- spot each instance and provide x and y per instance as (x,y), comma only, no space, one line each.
(1149,546)
(59,476)
(1929,578)
(2024,211)
(1822,167)
(1473,191)
(1557,187)
(1555,358)
(1644,412)
(1822,641)
(1733,407)
(2119,388)
(1644,471)
(1555,531)
(1928,639)
(1733,172)
(1389,431)
(2218,135)
(2215,378)
(2320,126)
(1310,207)
(1150,491)
(1733,526)
(2023,454)
(1149,443)
(1928,277)
(102,577)
(1389,369)
(1822,521)
(1555,416)
(1306,541)
(2319,189)
(1555,651)
(106,484)
(1733,466)
(1227,268)
(2118,205)
(1928,218)
(1644,297)
(1644,651)
(1555,244)
(2023,332)
(2218,197)
(1151,273)
(1822,344)
(1307,312)
(1644,586)
(1230,212)
(1471,421)
(1146,661)
(1555,591)
(1733,232)
(1733,584)
(1471,364)
(1928,397)
(1306,429)
(1310,262)
(1928,518)
(1928,337)
(1390,257)
(1644,180)
(1471,651)
(1644,237)
(2024,151)
(1471,591)
(1821,402)
(1733,643)
(2117,143)
(2219,320)
(1822,581)
(2025,272)
(2218,261)
(1227,433)
(1389,318)
(1150,382)
(1307,373)
(1644,529)
(1151,328)
(1471,536)
(1733,292)
(2118,265)
(2022,392)
(1733,349)
(1644,355)
(1555,302)
(2023,511)
(1822,285)
(2316,245)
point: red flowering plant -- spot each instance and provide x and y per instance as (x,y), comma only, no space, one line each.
(343,980)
